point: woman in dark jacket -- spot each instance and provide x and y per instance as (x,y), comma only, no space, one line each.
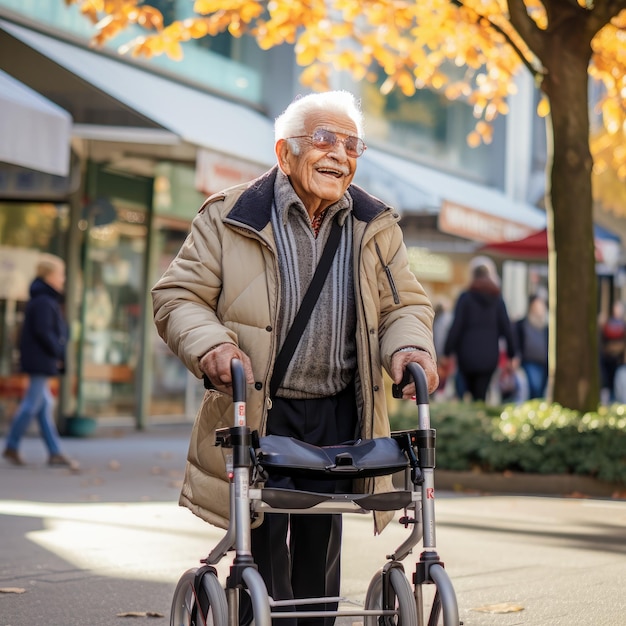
(480,320)
(42,352)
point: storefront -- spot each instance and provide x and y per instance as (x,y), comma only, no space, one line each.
(178,194)
(114,225)
(145,152)
(26,228)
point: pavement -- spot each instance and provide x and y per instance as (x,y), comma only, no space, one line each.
(107,543)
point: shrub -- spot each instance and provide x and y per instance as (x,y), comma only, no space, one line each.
(534,437)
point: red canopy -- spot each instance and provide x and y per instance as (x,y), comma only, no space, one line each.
(535,247)
(532,247)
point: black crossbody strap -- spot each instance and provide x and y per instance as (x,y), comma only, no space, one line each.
(306,307)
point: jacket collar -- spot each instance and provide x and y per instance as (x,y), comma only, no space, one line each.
(254,205)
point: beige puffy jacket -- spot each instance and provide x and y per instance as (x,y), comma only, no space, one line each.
(224,287)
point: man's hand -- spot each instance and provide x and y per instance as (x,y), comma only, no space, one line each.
(216,365)
(398,363)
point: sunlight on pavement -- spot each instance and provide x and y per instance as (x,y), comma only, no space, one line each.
(147,541)
(159,541)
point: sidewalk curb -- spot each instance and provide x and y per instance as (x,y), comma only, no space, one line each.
(562,485)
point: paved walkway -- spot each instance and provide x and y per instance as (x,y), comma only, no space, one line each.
(87,547)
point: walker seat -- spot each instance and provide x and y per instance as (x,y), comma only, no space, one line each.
(360,459)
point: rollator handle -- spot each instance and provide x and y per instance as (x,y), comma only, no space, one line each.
(416,372)
(238,375)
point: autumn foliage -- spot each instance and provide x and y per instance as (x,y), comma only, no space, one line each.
(470,50)
(467,49)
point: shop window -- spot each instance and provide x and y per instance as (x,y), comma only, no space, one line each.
(113,293)
(426,124)
(175,391)
(26,230)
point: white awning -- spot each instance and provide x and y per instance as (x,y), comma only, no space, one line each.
(34,132)
(195,116)
(415,188)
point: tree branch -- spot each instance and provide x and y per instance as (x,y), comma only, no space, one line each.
(536,72)
(527,28)
(608,9)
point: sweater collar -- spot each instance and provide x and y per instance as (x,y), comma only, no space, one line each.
(287,200)
(254,205)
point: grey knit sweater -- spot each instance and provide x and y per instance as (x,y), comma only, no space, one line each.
(325,358)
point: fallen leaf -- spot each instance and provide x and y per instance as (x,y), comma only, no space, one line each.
(577,495)
(140,614)
(503,607)
(12,590)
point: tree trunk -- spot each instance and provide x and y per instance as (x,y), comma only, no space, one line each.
(573,292)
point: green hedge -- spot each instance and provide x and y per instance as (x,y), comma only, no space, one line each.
(535,437)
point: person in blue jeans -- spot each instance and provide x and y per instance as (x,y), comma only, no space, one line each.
(531,333)
(42,353)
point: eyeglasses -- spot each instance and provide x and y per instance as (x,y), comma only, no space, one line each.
(326,139)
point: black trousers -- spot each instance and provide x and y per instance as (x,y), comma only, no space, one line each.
(477,383)
(299,556)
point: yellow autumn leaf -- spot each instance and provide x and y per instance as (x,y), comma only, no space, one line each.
(406,83)
(316,76)
(543,108)
(149,17)
(473,139)
(612,114)
(306,55)
(438,80)
(197,28)
(174,50)
(204,7)
(250,11)
(502,607)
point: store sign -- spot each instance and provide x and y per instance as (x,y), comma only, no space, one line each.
(462,221)
(215,172)
(607,256)
(427,265)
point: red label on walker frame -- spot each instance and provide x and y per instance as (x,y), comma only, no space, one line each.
(241,414)
(430,493)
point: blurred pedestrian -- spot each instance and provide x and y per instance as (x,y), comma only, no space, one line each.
(480,321)
(612,348)
(531,334)
(441,326)
(42,353)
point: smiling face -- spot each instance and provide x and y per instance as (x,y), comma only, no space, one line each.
(319,177)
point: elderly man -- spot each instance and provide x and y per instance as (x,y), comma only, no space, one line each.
(234,290)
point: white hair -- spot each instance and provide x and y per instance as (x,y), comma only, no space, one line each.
(48,263)
(290,123)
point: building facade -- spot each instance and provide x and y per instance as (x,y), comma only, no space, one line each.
(147,141)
